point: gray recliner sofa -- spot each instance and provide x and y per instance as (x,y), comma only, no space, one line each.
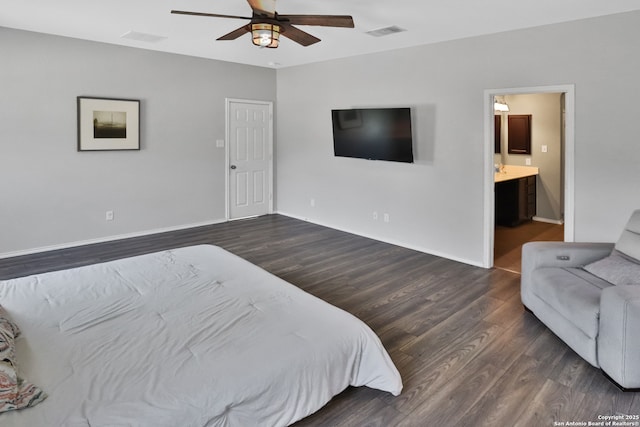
(588,295)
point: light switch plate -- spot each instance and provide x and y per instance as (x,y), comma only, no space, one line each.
(220,143)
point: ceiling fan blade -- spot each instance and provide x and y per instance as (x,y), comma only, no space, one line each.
(298,36)
(236,33)
(263,7)
(320,20)
(213,15)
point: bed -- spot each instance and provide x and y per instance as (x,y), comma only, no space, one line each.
(193,336)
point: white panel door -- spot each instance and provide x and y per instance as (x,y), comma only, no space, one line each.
(250,180)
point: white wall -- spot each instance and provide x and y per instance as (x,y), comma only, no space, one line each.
(436,204)
(51,195)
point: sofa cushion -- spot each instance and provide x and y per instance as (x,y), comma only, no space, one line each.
(572,292)
(617,269)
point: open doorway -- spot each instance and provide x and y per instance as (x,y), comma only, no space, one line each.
(529,191)
(550,157)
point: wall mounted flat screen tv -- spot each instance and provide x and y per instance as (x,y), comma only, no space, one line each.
(373,133)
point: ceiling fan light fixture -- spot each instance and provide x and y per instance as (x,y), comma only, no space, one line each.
(265,34)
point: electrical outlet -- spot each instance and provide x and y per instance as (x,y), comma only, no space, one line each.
(312,202)
(544,148)
(109,216)
(386,217)
(375,215)
(527,161)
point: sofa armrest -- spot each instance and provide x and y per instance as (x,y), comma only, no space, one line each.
(556,254)
(618,339)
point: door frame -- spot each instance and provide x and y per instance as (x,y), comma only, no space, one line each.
(227,161)
(489,177)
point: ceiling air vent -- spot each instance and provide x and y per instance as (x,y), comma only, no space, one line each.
(381,32)
(142,37)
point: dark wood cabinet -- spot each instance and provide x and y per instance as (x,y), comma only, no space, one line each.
(519,134)
(515,201)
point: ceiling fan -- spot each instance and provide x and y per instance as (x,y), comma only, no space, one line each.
(266,25)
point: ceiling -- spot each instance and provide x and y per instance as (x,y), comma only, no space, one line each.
(425,21)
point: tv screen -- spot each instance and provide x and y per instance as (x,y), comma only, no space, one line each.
(373,133)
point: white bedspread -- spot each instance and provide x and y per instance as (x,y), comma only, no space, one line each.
(188,337)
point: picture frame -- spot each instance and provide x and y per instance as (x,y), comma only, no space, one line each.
(106,124)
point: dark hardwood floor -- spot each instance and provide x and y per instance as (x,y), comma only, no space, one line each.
(468,353)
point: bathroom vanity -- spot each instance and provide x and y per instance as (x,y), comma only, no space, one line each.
(515,194)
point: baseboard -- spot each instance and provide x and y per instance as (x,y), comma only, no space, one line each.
(107,239)
(547,220)
(389,241)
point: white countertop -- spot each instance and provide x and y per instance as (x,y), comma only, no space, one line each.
(510,172)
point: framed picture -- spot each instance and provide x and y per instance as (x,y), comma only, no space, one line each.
(108,124)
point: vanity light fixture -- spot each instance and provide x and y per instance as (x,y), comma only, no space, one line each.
(500,106)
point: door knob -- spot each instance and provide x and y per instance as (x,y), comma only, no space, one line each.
(233,166)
